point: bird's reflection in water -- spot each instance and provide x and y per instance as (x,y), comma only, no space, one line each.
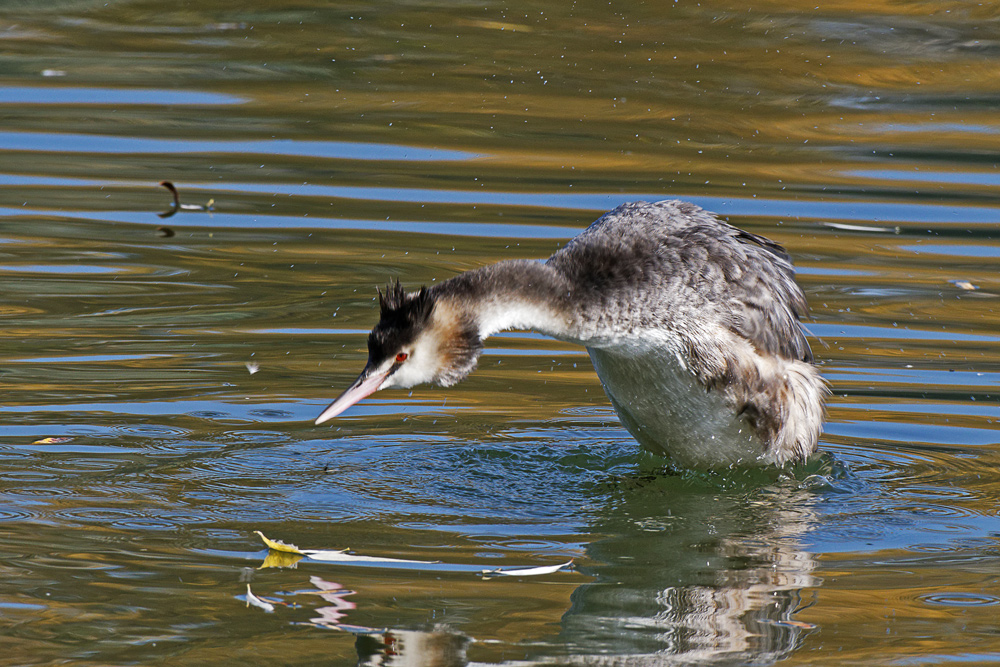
(691,573)
(407,648)
(438,647)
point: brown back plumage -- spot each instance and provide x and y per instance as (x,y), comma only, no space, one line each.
(661,265)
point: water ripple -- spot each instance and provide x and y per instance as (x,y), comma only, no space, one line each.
(17,514)
(957,599)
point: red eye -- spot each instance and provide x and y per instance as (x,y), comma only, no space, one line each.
(401,357)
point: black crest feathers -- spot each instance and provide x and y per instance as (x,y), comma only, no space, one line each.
(396,304)
(402,316)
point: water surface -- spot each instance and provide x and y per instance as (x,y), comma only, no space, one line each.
(342,146)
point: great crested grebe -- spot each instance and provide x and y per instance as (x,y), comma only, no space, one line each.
(691,323)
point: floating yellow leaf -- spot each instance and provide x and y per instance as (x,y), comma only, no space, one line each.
(51,441)
(280,546)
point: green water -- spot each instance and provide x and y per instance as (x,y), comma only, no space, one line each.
(343,145)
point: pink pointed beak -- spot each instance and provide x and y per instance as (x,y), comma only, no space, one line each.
(367,384)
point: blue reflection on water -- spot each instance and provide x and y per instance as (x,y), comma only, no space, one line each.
(959,177)
(753,206)
(345,150)
(957,250)
(119,96)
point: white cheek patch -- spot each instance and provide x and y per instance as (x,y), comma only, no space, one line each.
(423,365)
(410,373)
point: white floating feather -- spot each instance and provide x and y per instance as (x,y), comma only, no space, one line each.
(526,571)
(257,602)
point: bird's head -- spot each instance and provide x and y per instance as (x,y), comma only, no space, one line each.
(420,337)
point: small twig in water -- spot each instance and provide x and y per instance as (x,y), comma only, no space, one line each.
(177,200)
(178,206)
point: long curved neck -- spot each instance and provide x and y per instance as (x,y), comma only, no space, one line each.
(518,294)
